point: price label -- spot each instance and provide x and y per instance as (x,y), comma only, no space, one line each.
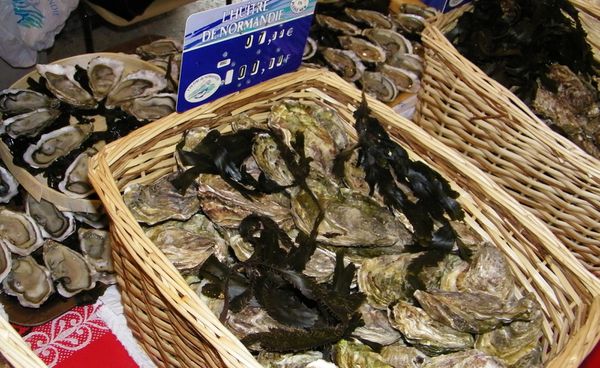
(237,46)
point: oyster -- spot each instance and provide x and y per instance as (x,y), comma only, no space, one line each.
(392,42)
(425,333)
(373,18)
(402,79)
(474,312)
(5,261)
(104,73)
(54,224)
(364,49)
(151,107)
(188,244)
(489,273)
(19,232)
(345,62)
(321,265)
(56,144)
(160,201)
(30,124)
(377,328)
(464,359)
(76,183)
(348,354)
(380,86)
(410,23)
(68,268)
(137,84)
(337,25)
(409,62)
(402,356)
(298,360)
(60,80)
(453,273)
(310,49)
(268,158)
(19,101)
(417,9)
(251,320)
(8,186)
(96,219)
(159,48)
(30,282)
(466,237)
(383,279)
(96,248)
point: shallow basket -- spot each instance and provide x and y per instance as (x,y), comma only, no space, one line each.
(178,330)
(545,172)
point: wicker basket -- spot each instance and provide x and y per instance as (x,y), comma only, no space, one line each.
(178,330)
(15,350)
(497,132)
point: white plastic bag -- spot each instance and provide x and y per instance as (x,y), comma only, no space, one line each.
(28,26)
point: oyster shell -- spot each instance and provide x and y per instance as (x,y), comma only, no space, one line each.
(383,278)
(373,18)
(310,49)
(30,282)
(30,124)
(268,158)
(76,183)
(159,48)
(348,354)
(19,101)
(8,186)
(345,62)
(410,23)
(134,85)
(19,232)
(464,359)
(489,273)
(160,201)
(402,356)
(321,265)
(410,62)
(104,73)
(392,42)
(377,328)
(298,360)
(251,320)
(56,144)
(380,86)
(96,248)
(403,80)
(68,268)
(365,50)
(5,261)
(425,333)
(151,107)
(474,312)
(53,223)
(96,219)
(61,82)
(188,244)
(466,237)
(417,9)
(337,25)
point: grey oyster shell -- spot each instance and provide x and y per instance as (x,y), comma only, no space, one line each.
(345,62)
(134,85)
(61,82)
(310,49)
(30,124)
(402,356)
(383,278)
(5,261)
(489,273)
(241,248)
(187,244)
(19,101)
(464,359)
(466,236)
(159,48)
(474,312)
(392,42)
(19,232)
(30,282)
(425,333)
(349,354)
(68,268)
(404,80)
(76,183)
(337,25)
(377,328)
(321,265)
(151,107)
(380,85)
(453,273)
(56,144)
(365,50)
(298,360)
(251,320)
(410,23)
(160,201)
(96,248)
(8,185)
(268,158)
(373,18)
(104,73)
(227,207)
(54,223)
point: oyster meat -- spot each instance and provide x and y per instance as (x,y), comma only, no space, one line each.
(392,42)
(96,248)
(8,186)
(365,50)
(409,62)
(137,84)
(404,80)
(345,62)
(19,232)
(61,82)
(373,18)
(19,101)
(410,23)
(337,25)
(54,223)
(30,124)
(30,282)
(104,73)
(76,183)
(5,261)
(380,86)
(68,268)
(160,201)
(151,107)
(349,354)
(425,333)
(402,356)
(56,144)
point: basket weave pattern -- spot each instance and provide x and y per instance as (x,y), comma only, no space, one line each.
(545,172)
(177,330)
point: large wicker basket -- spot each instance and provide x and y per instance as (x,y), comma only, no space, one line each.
(468,111)
(178,330)
(15,350)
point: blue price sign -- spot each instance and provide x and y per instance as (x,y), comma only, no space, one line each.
(237,46)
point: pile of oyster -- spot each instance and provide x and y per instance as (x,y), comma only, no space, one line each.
(165,53)
(35,260)
(380,52)
(317,250)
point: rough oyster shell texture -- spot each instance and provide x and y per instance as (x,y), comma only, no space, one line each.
(61,82)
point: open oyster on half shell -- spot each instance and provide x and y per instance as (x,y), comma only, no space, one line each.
(345,62)
(151,107)
(76,183)
(134,85)
(55,224)
(30,124)
(30,282)
(56,144)
(61,82)
(68,268)
(19,232)
(18,101)
(104,73)
(8,185)
(95,245)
